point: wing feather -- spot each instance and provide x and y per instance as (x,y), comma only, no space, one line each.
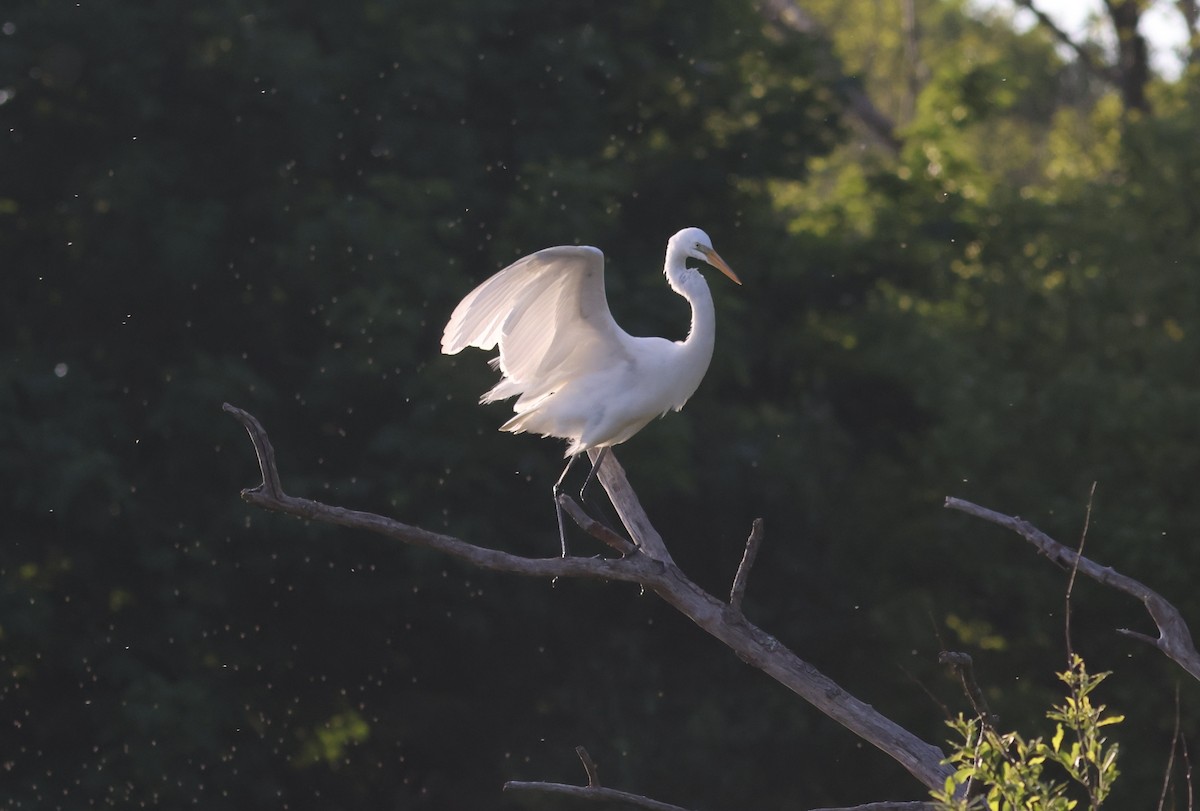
(548,314)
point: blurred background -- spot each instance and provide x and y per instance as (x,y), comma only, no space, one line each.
(970,244)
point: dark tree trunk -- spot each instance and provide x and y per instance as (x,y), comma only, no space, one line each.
(1133,60)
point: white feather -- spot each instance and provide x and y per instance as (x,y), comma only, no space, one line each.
(575,373)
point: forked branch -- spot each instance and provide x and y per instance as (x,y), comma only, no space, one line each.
(593,792)
(652,568)
(1174,639)
(610,798)
(270,496)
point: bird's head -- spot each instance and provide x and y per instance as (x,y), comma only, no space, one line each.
(696,244)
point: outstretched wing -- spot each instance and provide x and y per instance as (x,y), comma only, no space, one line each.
(549,315)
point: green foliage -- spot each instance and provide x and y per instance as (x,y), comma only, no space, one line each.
(1005,772)
(278,204)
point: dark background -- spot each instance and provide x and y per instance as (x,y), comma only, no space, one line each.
(278,205)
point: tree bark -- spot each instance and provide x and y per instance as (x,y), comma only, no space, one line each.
(1174,639)
(1133,57)
(657,574)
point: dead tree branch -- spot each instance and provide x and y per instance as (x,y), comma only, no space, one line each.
(629,509)
(791,14)
(593,792)
(270,496)
(738,591)
(886,806)
(658,574)
(1174,639)
(965,668)
(608,797)
(1169,771)
(1131,73)
(1085,56)
(589,766)
(593,527)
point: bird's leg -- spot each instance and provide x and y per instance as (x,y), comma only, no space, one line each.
(558,485)
(597,509)
(562,531)
(592,475)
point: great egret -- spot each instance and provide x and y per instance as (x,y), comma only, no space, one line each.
(578,375)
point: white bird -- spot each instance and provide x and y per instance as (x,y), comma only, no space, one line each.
(578,375)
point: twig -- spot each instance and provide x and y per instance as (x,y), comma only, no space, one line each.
(1090,770)
(592,792)
(593,527)
(603,796)
(964,667)
(1167,772)
(262,447)
(743,571)
(1187,772)
(658,574)
(1174,639)
(589,766)
(1085,57)
(1087,522)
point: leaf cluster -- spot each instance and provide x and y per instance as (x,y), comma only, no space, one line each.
(1007,772)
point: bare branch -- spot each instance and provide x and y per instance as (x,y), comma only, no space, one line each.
(262,446)
(1174,639)
(1187,773)
(1170,769)
(763,651)
(887,806)
(658,574)
(592,792)
(965,667)
(270,496)
(629,509)
(613,798)
(610,797)
(792,15)
(1086,58)
(743,572)
(589,766)
(1139,636)
(1087,522)
(593,527)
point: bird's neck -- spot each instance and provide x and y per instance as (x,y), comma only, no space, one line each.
(688,283)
